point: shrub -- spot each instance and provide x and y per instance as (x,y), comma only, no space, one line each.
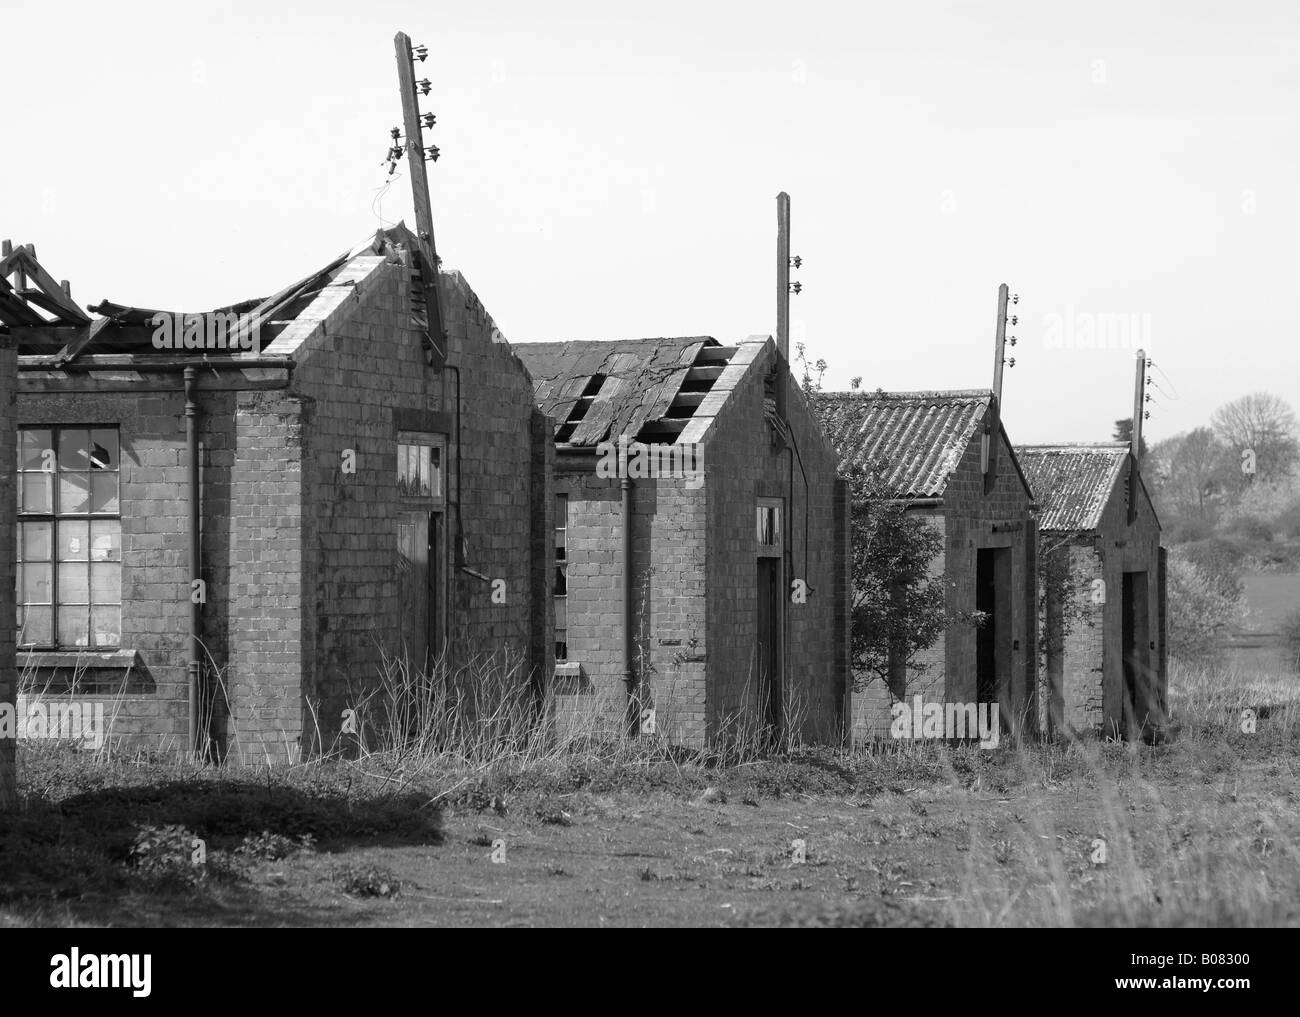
(272,847)
(368,881)
(1201,611)
(1219,560)
(169,853)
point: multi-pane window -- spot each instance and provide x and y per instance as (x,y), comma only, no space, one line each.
(561,577)
(69,572)
(419,465)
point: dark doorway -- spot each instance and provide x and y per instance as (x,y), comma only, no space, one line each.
(419,540)
(1134,637)
(769,645)
(993,637)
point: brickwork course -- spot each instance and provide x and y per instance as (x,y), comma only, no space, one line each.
(695,548)
(1089,540)
(307,595)
(930,447)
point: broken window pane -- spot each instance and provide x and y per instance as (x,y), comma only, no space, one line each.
(74,450)
(103,448)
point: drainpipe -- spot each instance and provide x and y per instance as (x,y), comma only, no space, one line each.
(198,746)
(629,679)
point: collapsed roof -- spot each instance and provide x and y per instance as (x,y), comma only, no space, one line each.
(645,389)
(46,324)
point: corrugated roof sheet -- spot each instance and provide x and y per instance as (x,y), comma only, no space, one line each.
(921,436)
(1072,482)
(641,377)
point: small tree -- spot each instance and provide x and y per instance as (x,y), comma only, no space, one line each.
(898,606)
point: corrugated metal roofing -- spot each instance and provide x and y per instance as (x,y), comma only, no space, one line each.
(640,379)
(1072,482)
(921,436)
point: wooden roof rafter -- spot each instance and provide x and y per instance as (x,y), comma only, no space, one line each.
(33,288)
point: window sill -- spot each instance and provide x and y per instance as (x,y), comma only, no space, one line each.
(569,679)
(76,658)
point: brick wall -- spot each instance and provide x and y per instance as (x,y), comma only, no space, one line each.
(505,489)
(967,519)
(694,581)
(363,374)
(298,555)
(270,615)
(1088,679)
(151,700)
(741,466)
(8,672)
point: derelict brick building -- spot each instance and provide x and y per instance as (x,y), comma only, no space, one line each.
(677,594)
(1103,662)
(932,446)
(8,672)
(342,496)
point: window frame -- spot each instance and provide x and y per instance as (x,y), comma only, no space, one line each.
(423,439)
(776,549)
(561,525)
(55,518)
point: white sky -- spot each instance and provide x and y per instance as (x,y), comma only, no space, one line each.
(610,170)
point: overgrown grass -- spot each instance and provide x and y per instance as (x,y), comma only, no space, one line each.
(1200,830)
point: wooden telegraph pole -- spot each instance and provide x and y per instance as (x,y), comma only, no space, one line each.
(993,425)
(783,274)
(412,124)
(1135,432)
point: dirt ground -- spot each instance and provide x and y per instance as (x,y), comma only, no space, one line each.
(1205,831)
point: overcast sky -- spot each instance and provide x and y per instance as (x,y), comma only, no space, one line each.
(610,171)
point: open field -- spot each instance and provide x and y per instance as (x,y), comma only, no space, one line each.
(1258,646)
(1203,830)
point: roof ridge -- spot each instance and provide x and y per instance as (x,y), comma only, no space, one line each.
(917,394)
